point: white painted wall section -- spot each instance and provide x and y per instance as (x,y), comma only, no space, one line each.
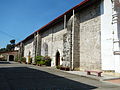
(28,47)
(107,56)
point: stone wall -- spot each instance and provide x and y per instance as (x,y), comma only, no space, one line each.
(66,49)
(71,43)
(21,50)
(32,47)
(78,43)
(38,47)
(28,48)
(90,34)
(52,41)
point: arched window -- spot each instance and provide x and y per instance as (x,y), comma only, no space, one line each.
(45,48)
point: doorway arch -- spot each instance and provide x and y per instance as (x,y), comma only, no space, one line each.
(57,58)
(11,58)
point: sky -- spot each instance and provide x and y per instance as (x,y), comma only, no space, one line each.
(20,18)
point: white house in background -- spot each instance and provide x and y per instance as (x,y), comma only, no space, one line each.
(86,37)
(8,55)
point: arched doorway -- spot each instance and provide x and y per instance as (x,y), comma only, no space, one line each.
(57,58)
(11,58)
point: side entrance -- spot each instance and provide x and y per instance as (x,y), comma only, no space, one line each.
(57,58)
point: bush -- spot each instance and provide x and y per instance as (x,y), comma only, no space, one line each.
(58,67)
(47,58)
(40,62)
(47,61)
(23,59)
(38,58)
(16,59)
(43,60)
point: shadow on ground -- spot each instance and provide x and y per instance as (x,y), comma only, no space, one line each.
(23,78)
(4,62)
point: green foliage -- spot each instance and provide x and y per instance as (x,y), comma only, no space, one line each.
(23,59)
(9,47)
(47,61)
(16,59)
(39,58)
(2,49)
(43,60)
(58,67)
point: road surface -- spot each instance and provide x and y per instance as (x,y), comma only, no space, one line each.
(15,76)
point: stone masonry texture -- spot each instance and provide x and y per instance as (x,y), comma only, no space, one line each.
(90,46)
(79,41)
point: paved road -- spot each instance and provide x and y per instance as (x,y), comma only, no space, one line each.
(14,76)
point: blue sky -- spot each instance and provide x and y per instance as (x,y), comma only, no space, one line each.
(20,18)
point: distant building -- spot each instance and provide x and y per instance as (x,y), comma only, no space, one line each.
(86,37)
(8,55)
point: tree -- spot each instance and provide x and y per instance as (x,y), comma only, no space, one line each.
(12,42)
(2,49)
(9,47)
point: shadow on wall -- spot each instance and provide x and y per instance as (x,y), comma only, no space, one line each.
(117,9)
(91,11)
(22,78)
(53,29)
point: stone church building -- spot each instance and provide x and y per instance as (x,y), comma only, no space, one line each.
(86,37)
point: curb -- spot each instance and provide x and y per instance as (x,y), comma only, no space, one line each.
(86,76)
(95,77)
(111,79)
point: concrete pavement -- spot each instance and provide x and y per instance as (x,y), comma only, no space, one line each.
(104,77)
(15,76)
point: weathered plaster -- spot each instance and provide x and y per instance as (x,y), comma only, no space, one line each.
(28,47)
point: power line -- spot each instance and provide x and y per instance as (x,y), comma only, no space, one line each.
(7,34)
